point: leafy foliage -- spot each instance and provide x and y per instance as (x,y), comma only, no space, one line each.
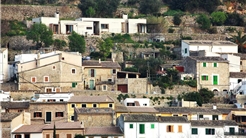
(59,44)
(234,19)
(131,69)
(105,46)
(218,18)
(149,6)
(76,42)
(240,40)
(125,38)
(102,8)
(203,21)
(79,136)
(40,33)
(14,28)
(177,20)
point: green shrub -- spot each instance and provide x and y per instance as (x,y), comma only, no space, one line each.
(170,30)
(176,19)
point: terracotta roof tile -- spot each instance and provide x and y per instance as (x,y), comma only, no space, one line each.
(104,64)
(15,105)
(140,118)
(213,123)
(138,109)
(106,131)
(8,117)
(208,59)
(30,129)
(91,99)
(173,119)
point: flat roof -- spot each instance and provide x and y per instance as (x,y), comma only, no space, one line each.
(210,42)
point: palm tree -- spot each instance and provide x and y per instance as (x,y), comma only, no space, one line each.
(240,40)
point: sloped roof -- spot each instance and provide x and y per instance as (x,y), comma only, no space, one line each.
(208,59)
(237,74)
(94,110)
(187,110)
(91,99)
(138,109)
(105,131)
(15,105)
(140,118)
(30,129)
(103,64)
(8,117)
(64,125)
(170,119)
(241,55)
(215,123)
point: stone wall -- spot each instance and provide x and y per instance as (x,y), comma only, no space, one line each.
(5,129)
(22,95)
(27,12)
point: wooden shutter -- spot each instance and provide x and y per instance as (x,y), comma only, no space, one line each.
(69,135)
(180,129)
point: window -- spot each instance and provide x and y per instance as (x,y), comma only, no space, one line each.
(185,50)
(104,26)
(20,110)
(51,100)
(175,115)
(27,136)
(58,89)
(53,67)
(73,105)
(232,130)
(241,62)
(200,116)
(74,84)
(94,105)
(48,89)
(69,135)
(152,126)
(131,126)
(185,116)
(59,114)
(169,128)
(57,135)
(180,129)
(73,71)
(110,105)
(63,58)
(215,64)
(17,136)
(89,28)
(141,129)
(114,71)
(204,64)
(83,105)
(194,131)
(46,79)
(209,131)
(104,87)
(33,79)
(61,100)
(37,114)
(215,117)
(69,29)
(204,77)
(47,136)
(72,118)
(92,73)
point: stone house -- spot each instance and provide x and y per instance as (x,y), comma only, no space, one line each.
(14,107)
(56,73)
(103,101)
(100,75)
(210,72)
(95,117)
(242,61)
(119,110)
(47,112)
(11,121)
(101,132)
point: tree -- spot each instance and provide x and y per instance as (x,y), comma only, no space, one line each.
(206,95)
(102,8)
(76,42)
(54,131)
(149,6)
(203,21)
(240,40)
(40,33)
(59,44)
(105,47)
(90,12)
(79,136)
(218,18)
(234,19)
(176,19)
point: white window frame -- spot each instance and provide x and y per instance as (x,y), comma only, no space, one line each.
(94,104)
(35,79)
(103,88)
(72,71)
(48,79)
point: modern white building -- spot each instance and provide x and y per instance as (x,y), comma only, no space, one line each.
(136,102)
(208,46)
(93,26)
(52,97)
(4,67)
(237,79)
(234,62)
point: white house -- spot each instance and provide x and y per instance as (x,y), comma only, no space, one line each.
(208,46)
(52,97)
(237,81)
(136,102)
(234,62)
(93,26)
(214,129)
(4,96)
(4,75)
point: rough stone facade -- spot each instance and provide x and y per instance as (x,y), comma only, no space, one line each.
(6,129)
(44,107)
(96,119)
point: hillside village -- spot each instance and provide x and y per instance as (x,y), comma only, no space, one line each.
(127,76)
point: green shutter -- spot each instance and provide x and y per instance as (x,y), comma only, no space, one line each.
(207,131)
(141,126)
(194,131)
(73,84)
(206,77)
(94,72)
(215,80)
(152,126)
(131,125)
(204,64)
(215,64)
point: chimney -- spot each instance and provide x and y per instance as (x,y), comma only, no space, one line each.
(99,60)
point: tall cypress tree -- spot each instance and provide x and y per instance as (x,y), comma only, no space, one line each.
(54,131)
